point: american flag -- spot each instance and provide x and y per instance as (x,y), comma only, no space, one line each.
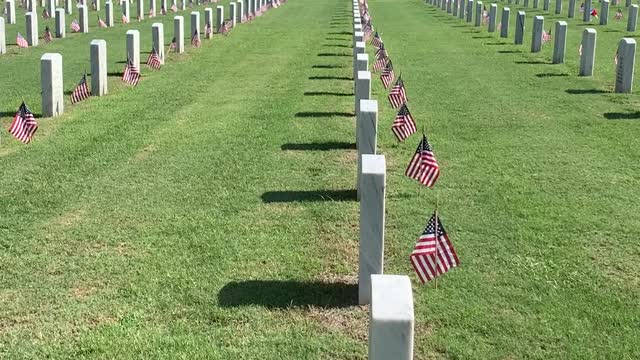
(381,51)
(47,35)
(387,75)
(376,41)
(367,29)
(131,75)
(21,41)
(151,13)
(75,27)
(81,91)
(173,45)
(195,39)
(403,125)
(174,8)
(207,29)
(154,60)
(546,36)
(224,29)
(433,254)
(398,94)
(45,14)
(94,6)
(423,166)
(125,19)
(101,23)
(24,124)
(163,11)
(379,64)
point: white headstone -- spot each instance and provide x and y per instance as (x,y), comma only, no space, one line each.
(178,33)
(195,23)
(157,39)
(588,58)
(626,63)
(3,37)
(99,86)
(51,80)
(208,20)
(60,28)
(84,18)
(32,28)
(133,47)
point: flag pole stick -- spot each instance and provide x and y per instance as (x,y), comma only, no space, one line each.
(437,239)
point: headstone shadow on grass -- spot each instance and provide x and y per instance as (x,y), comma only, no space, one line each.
(326,93)
(319,146)
(284,294)
(334,54)
(330,66)
(308,196)
(585,91)
(544,75)
(622,116)
(319,114)
(330,78)
(534,62)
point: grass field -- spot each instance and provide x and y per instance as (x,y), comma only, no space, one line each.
(210,211)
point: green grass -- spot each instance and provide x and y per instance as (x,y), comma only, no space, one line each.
(192,216)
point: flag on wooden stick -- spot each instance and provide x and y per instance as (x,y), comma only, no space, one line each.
(403,125)
(47,35)
(75,27)
(387,75)
(24,124)
(423,167)
(398,95)
(81,91)
(433,254)
(376,41)
(195,39)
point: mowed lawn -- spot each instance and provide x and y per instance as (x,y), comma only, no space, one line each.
(210,213)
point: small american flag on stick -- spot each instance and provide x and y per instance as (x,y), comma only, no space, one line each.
(125,19)
(47,35)
(173,45)
(387,75)
(403,125)
(21,41)
(24,124)
(174,8)
(423,167)
(45,14)
(195,39)
(81,91)
(101,23)
(131,74)
(433,254)
(376,41)
(398,95)
(75,27)
(546,36)
(207,30)
(154,60)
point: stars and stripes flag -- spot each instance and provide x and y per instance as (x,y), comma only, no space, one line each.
(125,19)
(75,27)
(173,45)
(195,39)
(163,11)
(546,36)
(94,5)
(47,35)
(403,125)
(423,167)
(24,124)
(381,58)
(387,75)
(174,7)
(151,13)
(81,91)
(207,29)
(433,254)
(618,15)
(45,14)
(224,29)
(154,59)
(398,94)
(376,41)
(101,23)
(381,51)
(21,41)
(131,74)
(367,29)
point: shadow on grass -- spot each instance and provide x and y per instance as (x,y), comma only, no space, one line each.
(328,66)
(337,45)
(339,33)
(509,51)
(533,62)
(337,39)
(585,91)
(326,93)
(319,114)
(611,30)
(622,116)
(496,43)
(117,73)
(330,78)
(333,54)
(471,31)
(308,196)
(459,26)
(325,146)
(12,113)
(284,294)
(544,75)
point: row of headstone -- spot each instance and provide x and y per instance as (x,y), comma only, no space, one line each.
(624,67)
(390,296)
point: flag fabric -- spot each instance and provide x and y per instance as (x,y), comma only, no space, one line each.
(207,29)
(376,41)
(195,39)
(21,41)
(618,15)
(379,64)
(163,11)
(47,35)
(398,94)
(174,8)
(546,36)
(367,29)
(387,75)
(433,254)
(154,59)
(45,14)
(423,166)
(173,45)
(224,29)
(594,13)
(403,125)
(381,52)
(24,124)
(75,27)
(81,91)
(131,74)
(101,23)
(125,19)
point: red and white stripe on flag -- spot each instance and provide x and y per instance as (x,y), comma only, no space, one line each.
(423,167)
(433,254)
(24,124)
